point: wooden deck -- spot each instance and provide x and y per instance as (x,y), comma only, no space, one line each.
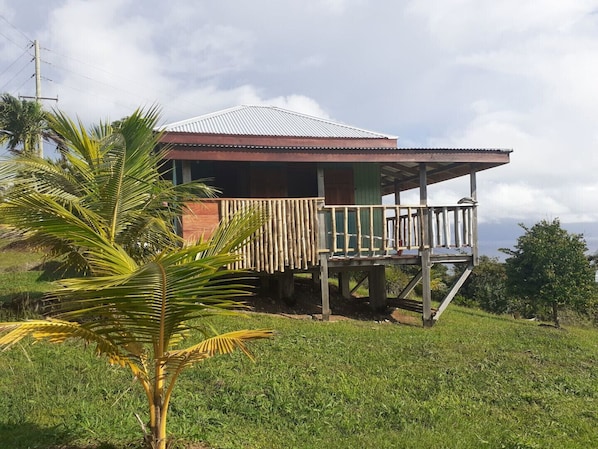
(304,234)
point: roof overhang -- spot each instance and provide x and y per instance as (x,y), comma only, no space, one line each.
(399,166)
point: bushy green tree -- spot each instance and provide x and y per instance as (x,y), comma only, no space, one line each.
(23,123)
(486,286)
(107,182)
(548,269)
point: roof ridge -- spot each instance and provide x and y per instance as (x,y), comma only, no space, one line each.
(321,119)
(274,122)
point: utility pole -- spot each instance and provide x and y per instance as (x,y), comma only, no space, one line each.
(38,93)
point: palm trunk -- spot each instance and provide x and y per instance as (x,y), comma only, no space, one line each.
(157,436)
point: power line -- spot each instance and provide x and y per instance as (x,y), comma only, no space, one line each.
(14,62)
(96,68)
(29,41)
(16,74)
(15,91)
(10,40)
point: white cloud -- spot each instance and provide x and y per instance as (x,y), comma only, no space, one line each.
(461,73)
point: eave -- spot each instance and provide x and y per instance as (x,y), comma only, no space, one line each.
(180,138)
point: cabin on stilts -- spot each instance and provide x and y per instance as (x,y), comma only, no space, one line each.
(333,197)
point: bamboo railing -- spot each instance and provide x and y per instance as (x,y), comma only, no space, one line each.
(288,240)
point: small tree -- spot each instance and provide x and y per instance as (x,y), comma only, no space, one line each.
(486,286)
(108,182)
(22,124)
(108,209)
(548,268)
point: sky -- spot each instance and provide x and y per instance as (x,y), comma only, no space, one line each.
(510,74)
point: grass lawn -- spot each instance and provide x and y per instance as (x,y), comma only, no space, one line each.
(21,277)
(473,381)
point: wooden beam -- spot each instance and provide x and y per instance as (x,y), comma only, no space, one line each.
(412,283)
(425,249)
(323,154)
(453,291)
(224,140)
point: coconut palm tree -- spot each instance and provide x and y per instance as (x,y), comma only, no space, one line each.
(108,180)
(106,207)
(139,314)
(22,125)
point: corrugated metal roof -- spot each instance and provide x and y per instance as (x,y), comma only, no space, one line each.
(251,120)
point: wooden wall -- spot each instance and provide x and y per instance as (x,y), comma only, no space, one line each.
(200,219)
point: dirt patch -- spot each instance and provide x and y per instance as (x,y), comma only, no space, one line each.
(305,304)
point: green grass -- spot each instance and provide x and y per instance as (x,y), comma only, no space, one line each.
(22,280)
(16,258)
(473,381)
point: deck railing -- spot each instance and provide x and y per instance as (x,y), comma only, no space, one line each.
(288,240)
(300,230)
(391,229)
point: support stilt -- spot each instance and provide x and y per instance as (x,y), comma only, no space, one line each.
(343,284)
(325,290)
(377,286)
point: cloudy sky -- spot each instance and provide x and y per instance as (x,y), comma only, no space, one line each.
(513,74)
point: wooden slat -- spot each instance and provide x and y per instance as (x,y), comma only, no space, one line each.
(372,232)
(346,229)
(458,228)
(333,230)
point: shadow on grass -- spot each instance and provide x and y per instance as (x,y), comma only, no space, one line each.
(28,435)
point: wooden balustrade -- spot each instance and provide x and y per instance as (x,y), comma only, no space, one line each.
(390,229)
(299,230)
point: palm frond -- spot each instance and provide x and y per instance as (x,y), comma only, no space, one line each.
(236,231)
(219,344)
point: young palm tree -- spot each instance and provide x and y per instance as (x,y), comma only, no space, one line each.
(22,125)
(108,181)
(106,207)
(139,315)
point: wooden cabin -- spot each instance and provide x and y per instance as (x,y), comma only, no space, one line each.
(333,197)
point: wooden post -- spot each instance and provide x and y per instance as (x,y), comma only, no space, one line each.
(325,289)
(186,172)
(343,284)
(285,285)
(397,193)
(425,248)
(320,176)
(474,226)
(377,287)
(323,254)
(178,221)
